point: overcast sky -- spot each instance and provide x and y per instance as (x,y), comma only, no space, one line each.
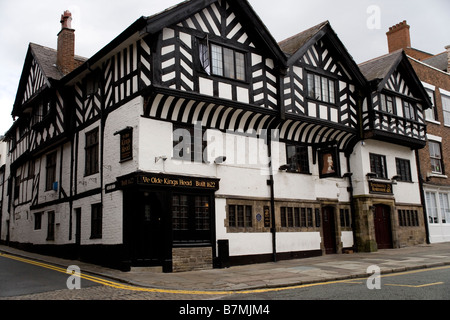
(97,22)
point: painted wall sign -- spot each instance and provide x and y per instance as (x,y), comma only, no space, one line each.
(149,179)
(380,187)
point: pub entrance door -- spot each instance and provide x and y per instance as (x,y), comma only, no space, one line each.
(383,231)
(329,230)
(148,227)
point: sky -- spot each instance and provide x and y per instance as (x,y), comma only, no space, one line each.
(360,24)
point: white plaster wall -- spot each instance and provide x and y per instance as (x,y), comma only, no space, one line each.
(347,239)
(404,192)
(298,241)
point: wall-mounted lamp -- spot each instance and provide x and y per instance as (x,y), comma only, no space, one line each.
(371,175)
(285,167)
(348,175)
(220,160)
(397,177)
(163,158)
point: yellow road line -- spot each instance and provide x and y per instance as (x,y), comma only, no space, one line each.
(411,286)
(200,292)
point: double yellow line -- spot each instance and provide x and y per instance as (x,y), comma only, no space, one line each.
(194,292)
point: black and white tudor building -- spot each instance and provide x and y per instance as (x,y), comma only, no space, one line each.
(194,136)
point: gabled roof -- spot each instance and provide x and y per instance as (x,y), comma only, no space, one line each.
(439,61)
(45,58)
(177,13)
(296,46)
(379,70)
(291,45)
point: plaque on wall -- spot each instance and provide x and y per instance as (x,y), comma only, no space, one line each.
(380,187)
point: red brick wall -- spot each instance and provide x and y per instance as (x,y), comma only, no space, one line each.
(439,80)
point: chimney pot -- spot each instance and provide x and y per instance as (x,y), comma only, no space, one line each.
(66,45)
(66,20)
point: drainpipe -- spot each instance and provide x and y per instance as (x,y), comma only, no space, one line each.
(352,200)
(422,196)
(270,182)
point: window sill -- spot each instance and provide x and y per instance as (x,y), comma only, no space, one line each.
(437,175)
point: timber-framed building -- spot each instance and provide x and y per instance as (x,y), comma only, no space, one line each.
(195,140)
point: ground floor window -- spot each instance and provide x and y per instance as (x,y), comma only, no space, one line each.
(438,207)
(96,221)
(408,218)
(191,218)
(51,226)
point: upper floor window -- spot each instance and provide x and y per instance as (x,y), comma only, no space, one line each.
(435,157)
(378,165)
(409,110)
(222,61)
(297,158)
(446,109)
(92,153)
(403,169)
(51,171)
(431,114)
(387,103)
(40,111)
(321,88)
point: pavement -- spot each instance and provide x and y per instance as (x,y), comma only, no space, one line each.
(267,275)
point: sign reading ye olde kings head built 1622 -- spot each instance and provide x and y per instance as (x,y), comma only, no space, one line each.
(162,180)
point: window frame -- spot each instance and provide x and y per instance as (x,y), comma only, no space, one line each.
(445,99)
(192,233)
(50,167)
(92,153)
(384,103)
(215,61)
(96,221)
(382,162)
(299,161)
(314,80)
(240,219)
(409,110)
(436,157)
(433,111)
(51,225)
(38,220)
(403,169)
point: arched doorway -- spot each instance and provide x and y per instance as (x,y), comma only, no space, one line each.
(329,230)
(383,230)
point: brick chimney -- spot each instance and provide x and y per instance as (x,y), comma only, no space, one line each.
(66,44)
(398,37)
(448,58)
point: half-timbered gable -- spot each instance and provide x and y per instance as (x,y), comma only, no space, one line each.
(397,101)
(323,85)
(215,52)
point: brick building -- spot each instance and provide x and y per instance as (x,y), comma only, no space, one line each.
(434,72)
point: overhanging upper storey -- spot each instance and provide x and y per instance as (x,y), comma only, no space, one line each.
(397,101)
(322,90)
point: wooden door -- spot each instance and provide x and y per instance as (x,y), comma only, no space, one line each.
(383,231)
(148,228)
(329,230)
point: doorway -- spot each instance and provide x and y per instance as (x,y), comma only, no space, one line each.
(329,230)
(148,240)
(383,230)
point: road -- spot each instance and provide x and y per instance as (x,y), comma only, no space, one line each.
(425,284)
(23,279)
